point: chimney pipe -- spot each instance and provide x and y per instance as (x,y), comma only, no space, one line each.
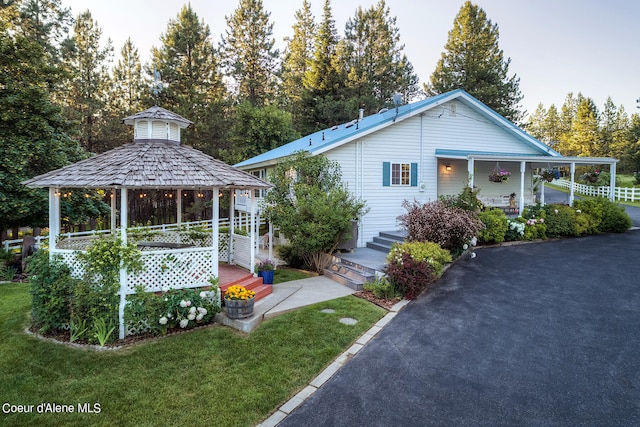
(361,115)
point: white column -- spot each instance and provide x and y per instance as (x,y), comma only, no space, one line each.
(252,226)
(523,168)
(179,207)
(113,212)
(542,192)
(573,173)
(123,273)
(612,182)
(470,167)
(54,218)
(215,222)
(232,220)
(270,240)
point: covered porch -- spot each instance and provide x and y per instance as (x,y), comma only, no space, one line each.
(524,186)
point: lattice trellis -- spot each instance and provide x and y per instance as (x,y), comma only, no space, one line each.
(175,269)
(71,260)
(242,251)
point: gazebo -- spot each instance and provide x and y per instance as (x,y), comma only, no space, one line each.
(156,160)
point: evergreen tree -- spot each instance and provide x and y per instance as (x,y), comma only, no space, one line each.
(584,139)
(34,135)
(535,125)
(552,127)
(297,61)
(193,88)
(247,52)
(473,61)
(631,159)
(377,68)
(567,116)
(47,23)
(324,82)
(127,91)
(87,86)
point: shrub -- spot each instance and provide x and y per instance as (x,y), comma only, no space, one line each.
(412,266)
(450,227)
(495,226)
(51,287)
(614,218)
(176,308)
(560,221)
(593,212)
(534,228)
(382,288)
(467,200)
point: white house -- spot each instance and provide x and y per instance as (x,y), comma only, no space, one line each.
(423,150)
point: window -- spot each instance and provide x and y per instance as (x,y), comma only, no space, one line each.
(262,174)
(399,174)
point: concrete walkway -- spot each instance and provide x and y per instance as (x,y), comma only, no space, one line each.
(286,297)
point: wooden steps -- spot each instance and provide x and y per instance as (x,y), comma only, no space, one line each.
(250,282)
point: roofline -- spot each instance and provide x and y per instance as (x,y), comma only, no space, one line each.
(544,159)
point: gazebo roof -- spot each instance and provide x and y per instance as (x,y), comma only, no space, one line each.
(149,164)
(157,113)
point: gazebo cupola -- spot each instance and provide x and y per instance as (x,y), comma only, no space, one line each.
(157,124)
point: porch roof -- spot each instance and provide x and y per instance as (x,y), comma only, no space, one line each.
(553,158)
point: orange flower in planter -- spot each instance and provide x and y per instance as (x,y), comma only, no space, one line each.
(237,292)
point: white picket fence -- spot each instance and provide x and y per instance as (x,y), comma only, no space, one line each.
(627,194)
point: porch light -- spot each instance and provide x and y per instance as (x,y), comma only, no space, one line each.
(447,167)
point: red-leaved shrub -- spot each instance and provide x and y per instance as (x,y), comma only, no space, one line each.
(450,227)
(410,276)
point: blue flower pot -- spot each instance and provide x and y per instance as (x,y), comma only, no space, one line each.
(267,276)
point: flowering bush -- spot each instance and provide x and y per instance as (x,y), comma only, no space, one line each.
(515,230)
(434,222)
(266,265)
(560,220)
(591,177)
(237,292)
(412,266)
(176,308)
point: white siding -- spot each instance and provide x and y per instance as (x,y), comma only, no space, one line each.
(159,130)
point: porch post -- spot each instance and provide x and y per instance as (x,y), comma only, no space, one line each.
(215,222)
(573,173)
(612,182)
(54,218)
(270,240)
(470,167)
(542,192)
(123,273)
(523,168)
(232,220)
(252,225)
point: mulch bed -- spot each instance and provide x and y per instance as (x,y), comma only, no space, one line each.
(369,296)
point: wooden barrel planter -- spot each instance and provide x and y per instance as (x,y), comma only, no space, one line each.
(240,308)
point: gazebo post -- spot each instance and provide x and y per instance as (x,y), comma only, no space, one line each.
(252,256)
(215,226)
(123,272)
(113,211)
(54,218)
(232,220)
(179,207)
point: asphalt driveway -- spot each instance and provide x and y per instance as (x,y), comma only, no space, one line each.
(534,334)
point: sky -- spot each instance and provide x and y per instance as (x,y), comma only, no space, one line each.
(555,46)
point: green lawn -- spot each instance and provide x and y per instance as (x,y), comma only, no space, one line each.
(212,376)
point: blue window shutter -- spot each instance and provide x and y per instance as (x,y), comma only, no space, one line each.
(414,174)
(386,174)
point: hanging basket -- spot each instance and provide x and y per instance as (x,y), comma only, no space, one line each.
(499,175)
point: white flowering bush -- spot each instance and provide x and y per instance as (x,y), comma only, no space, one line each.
(175,308)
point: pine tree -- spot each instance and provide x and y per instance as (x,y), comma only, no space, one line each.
(324,82)
(87,64)
(248,54)
(584,139)
(297,61)
(377,68)
(47,23)
(473,61)
(193,88)
(127,91)
(535,125)
(552,127)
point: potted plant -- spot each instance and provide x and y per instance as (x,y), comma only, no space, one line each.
(239,302)
(266,269)
(499,175)
(550,174)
